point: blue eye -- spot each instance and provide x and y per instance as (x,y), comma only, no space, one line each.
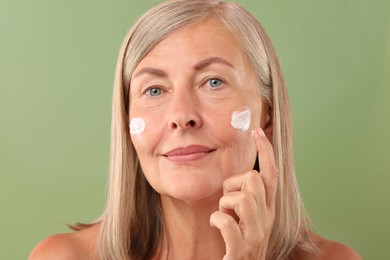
(215,83)
(154,92)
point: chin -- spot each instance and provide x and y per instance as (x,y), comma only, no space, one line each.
(191,188)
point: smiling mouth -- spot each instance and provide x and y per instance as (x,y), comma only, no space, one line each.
(188,154)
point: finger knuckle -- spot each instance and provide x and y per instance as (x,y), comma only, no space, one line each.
(227,222)
(245,197)
(226,184)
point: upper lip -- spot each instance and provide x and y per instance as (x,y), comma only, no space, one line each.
(191,149)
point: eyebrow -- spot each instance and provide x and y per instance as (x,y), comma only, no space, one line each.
(198,66)
(208,61)
(151,71)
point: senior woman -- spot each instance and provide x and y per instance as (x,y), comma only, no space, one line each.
(201,150)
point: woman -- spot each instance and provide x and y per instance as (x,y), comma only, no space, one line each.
(199,98)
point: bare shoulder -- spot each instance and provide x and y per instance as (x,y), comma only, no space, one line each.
(60,246)
(335,250)
(328,249)
(76,245)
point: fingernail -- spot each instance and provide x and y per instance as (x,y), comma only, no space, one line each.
(260,132)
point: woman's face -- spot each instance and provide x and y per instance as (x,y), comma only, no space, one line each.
(185,97)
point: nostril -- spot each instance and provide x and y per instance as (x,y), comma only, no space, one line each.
(191,123)
(184,125)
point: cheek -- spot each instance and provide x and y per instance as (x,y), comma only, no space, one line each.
(137,128)
(239,153)
(235,134)
(146,144)
(243,150)
(144,134)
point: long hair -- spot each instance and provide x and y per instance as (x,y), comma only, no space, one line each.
(132,224)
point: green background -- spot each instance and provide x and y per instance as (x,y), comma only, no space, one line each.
(57,62)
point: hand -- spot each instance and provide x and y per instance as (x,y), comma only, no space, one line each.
(247,208)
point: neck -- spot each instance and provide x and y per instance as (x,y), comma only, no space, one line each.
(188,231)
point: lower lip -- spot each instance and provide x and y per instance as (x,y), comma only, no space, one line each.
(187,157)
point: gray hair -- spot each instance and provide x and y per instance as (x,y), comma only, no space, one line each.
(140,235)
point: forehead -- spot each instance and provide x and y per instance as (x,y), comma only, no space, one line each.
(205,38)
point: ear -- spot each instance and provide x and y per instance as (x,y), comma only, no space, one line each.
(266,121)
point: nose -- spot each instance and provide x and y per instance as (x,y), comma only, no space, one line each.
(184,112)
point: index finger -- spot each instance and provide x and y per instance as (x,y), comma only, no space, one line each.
(268,167)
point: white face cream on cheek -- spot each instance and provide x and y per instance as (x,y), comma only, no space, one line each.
(241,120)
(137,126)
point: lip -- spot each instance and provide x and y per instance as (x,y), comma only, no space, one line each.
(188,153)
